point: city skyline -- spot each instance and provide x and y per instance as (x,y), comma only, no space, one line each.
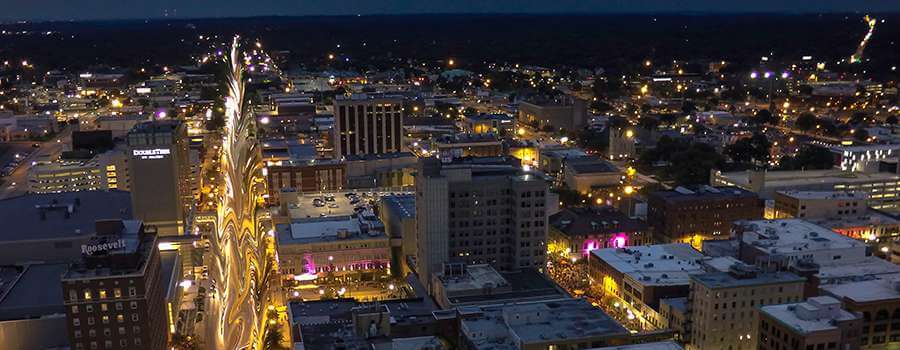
(56,10)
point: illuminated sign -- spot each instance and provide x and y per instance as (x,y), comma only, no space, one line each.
(156,153)
(90,249)
(142,90)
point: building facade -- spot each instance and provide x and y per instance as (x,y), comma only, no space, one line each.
(366,124)
(481,211)
(160,174)
(724,305)
(115,298)
(690,216)
(818,323)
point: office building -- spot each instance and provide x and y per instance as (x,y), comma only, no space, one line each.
(640,276)
(115,297)
(880,187)
(843,212)
(818,204)
(479,211)
(566,112)
(557,324)
(52,228)
(576,231)
(366,124)
(818,323)
(160,175)
(693,215)
(785,242)
(724,305)
(454,146)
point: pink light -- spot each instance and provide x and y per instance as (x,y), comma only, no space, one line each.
(619,240)
(589,245)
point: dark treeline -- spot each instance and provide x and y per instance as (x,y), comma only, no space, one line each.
(611,41)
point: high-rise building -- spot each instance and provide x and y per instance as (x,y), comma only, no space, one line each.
(479,211)
(115,297)
(160,174)
(365,124)
(724,305)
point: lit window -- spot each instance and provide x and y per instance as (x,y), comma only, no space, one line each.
(87,294)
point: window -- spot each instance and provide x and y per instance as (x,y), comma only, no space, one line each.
(102,293)
(132,291)
(134,305)
(117,292)
(137,341)
(87,294)
(104,307)
(136,329)
(77,334)
(120,318)
(92,333)
(74,309)
(118,306)
(89,308)
(121,330)
(90,321)
(76,322)
(105,319)
(134,317)
(73,295)
(123,343)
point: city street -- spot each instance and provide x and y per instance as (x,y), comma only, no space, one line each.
(49,150)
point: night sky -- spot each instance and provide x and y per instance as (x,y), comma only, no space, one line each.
(140,9)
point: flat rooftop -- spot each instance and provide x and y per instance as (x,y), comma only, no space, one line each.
(494,327)
(662,345)
(794,235)
(580,221)
(23,219)
(658,264)
(869,266)
(823,194)
(34,293)
(796,178)
(702,193)
(329,229)
(814,315)
(401,205)
(717,280)
(865,289)
(475,277)
(525,284)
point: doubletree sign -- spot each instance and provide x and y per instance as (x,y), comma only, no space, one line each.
(91,249)
(156,153)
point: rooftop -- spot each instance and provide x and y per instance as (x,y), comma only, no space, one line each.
(476,277)
(402,205)
(864,289)
(702,193)
(494,327)
(823,194)
(870,266)
(663,345)
(794,235)
(814,315)
(33,293)
(659,264)
(523,284)
(717,280)
(60,215)
(329,229)
(794,178)
(577,221)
